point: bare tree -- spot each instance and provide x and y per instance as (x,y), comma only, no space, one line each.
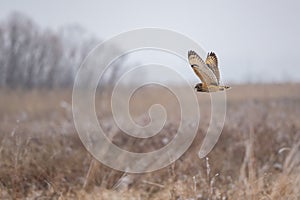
(32,57)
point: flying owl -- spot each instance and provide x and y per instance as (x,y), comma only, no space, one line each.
(207,71)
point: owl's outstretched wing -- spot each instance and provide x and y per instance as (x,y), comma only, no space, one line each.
(205,74)
(212,62)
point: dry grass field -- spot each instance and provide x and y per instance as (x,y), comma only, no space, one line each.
(256,157)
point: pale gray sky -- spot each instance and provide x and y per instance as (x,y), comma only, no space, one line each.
(252,39)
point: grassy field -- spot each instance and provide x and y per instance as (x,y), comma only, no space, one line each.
(257,156)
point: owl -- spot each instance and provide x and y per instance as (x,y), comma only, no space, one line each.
(207,71)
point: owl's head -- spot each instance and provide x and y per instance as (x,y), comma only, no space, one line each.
(198,87)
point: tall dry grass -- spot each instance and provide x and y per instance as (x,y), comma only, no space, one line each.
(257,156)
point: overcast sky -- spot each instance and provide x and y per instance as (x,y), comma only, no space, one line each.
(254,40)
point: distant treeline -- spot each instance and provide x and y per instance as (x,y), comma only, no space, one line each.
(34,57)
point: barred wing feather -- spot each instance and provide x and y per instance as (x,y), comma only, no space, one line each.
(212,62)
(204,72)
